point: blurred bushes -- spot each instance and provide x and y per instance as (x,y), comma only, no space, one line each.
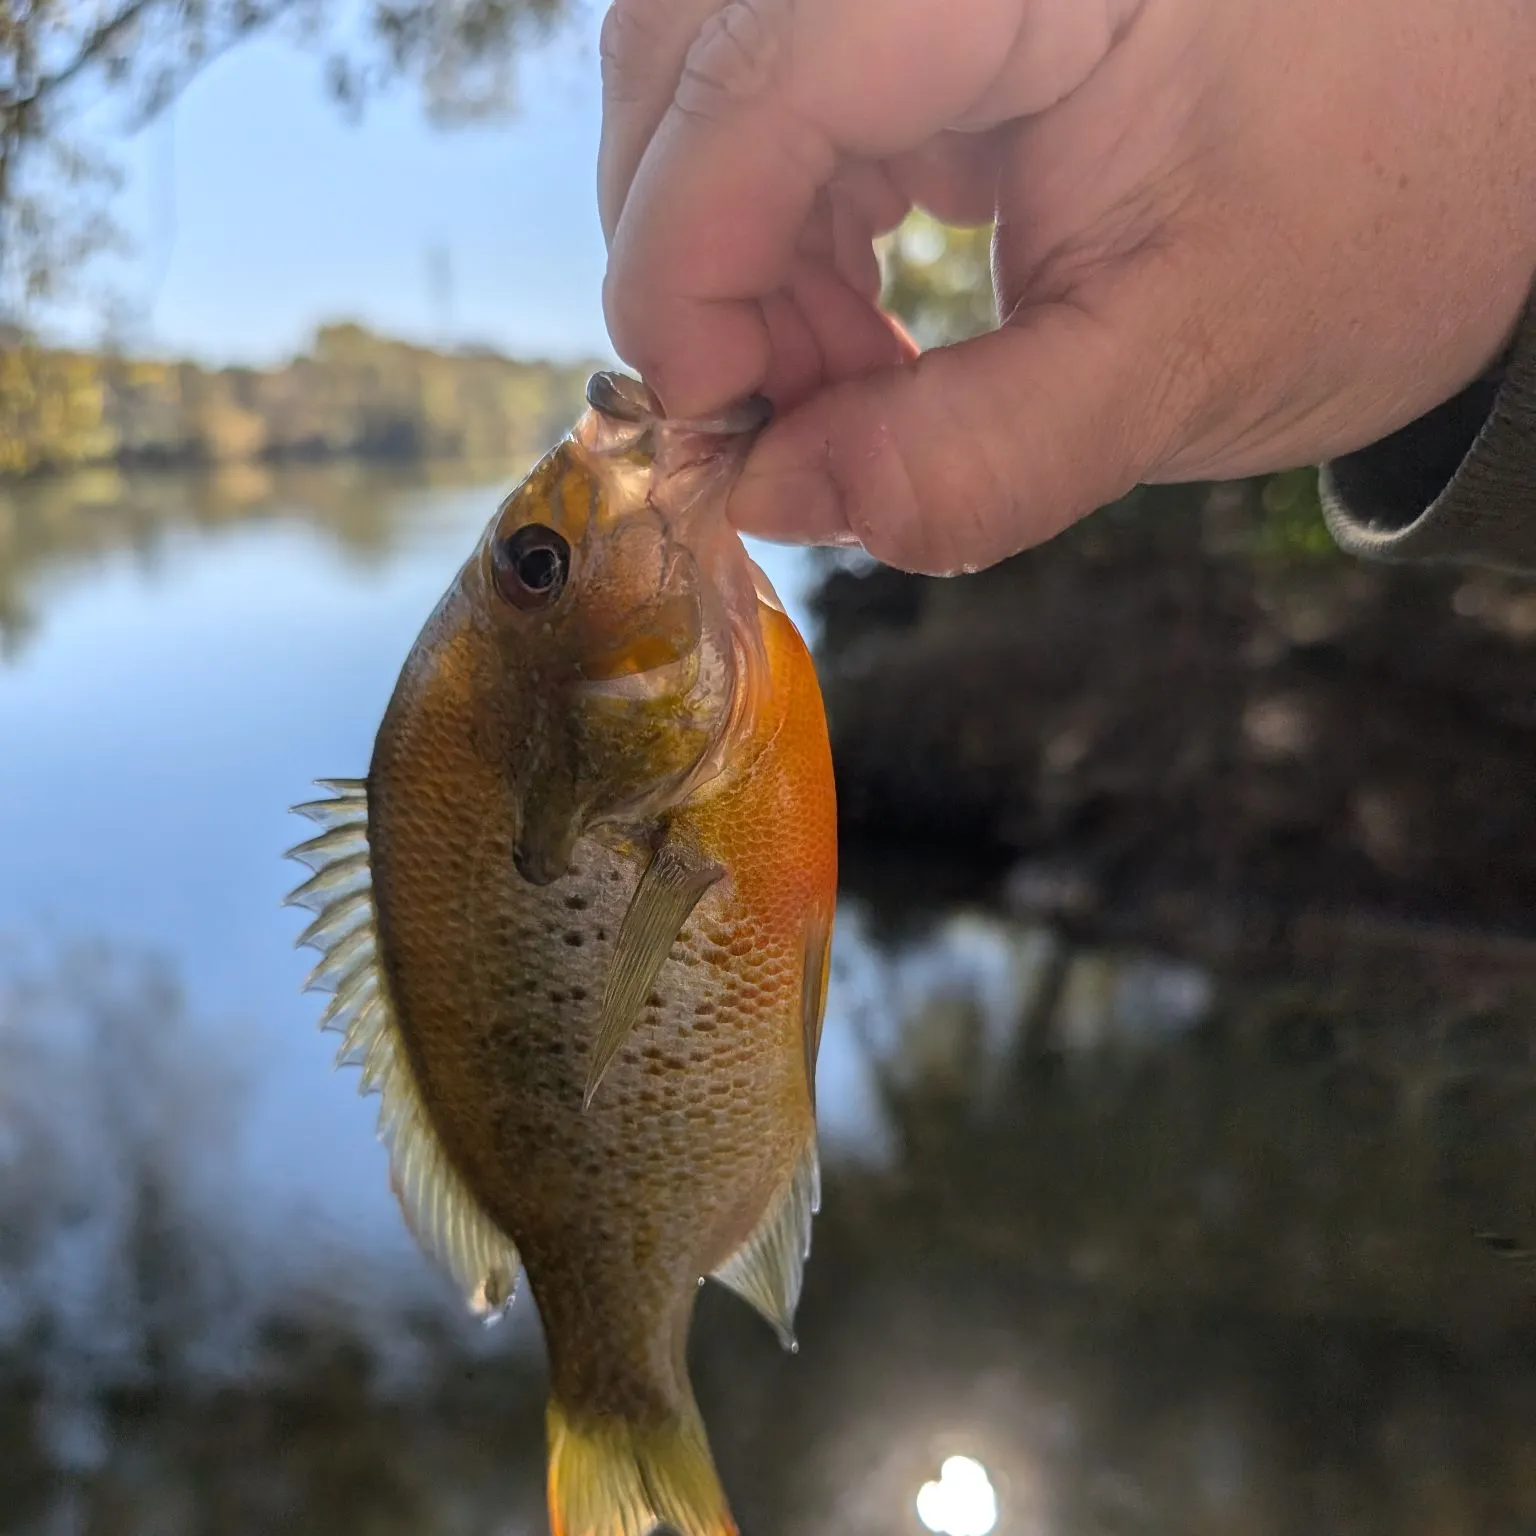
(938,278)
(353,395)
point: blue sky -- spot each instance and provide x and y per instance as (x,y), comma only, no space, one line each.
(257,210)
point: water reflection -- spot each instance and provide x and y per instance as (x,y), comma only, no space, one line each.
(960,1501)
(1112,1240)
(63,527)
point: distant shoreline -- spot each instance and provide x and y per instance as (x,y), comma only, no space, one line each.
(353,397)
(159,461)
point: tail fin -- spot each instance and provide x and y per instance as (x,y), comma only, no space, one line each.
(611,1478)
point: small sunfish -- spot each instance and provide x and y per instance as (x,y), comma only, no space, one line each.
(577,920)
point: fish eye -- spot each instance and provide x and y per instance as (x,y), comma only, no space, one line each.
(531,565)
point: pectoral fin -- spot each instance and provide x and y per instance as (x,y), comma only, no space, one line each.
(669,890)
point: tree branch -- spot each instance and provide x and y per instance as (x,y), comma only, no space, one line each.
(90,50)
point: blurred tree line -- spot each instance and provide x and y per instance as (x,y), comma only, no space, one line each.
(352,395)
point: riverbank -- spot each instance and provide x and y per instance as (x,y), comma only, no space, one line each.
(1192,702)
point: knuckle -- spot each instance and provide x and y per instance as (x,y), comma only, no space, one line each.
(632,41)
(619,313)
(953,502)
(882,506)
(735,57)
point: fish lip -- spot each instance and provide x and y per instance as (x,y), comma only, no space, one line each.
(744,418)
(622,397)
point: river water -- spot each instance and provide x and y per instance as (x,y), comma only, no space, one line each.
(1101,1250)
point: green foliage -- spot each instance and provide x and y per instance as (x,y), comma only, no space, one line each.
(938,279)
(1293,526)
(56,56)
(356,395)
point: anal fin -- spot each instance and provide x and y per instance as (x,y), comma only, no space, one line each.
(767,1271)
(669,889)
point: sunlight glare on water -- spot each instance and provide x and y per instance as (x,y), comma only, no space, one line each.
(962,1502)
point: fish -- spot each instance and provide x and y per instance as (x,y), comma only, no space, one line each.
(576,925)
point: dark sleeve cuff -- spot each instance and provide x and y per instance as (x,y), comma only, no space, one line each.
(1458,485)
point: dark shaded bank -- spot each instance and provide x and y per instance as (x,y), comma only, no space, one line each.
(1194,696)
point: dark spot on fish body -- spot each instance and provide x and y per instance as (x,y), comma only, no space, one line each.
(654,1001)
(576,902)
(578,994)
(556,996)
(575,939)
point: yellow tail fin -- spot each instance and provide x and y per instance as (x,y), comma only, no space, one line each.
(610,1478)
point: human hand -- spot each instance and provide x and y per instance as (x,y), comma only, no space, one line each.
(1233,236)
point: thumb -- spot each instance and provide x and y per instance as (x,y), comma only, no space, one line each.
(967,454)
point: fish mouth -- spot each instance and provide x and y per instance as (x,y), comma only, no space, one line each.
(623,398)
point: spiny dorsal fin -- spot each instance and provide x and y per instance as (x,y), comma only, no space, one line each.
(669,890)
(440,1213)
(767,1270)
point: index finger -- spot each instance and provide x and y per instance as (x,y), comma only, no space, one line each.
(772,94)
(643,44)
